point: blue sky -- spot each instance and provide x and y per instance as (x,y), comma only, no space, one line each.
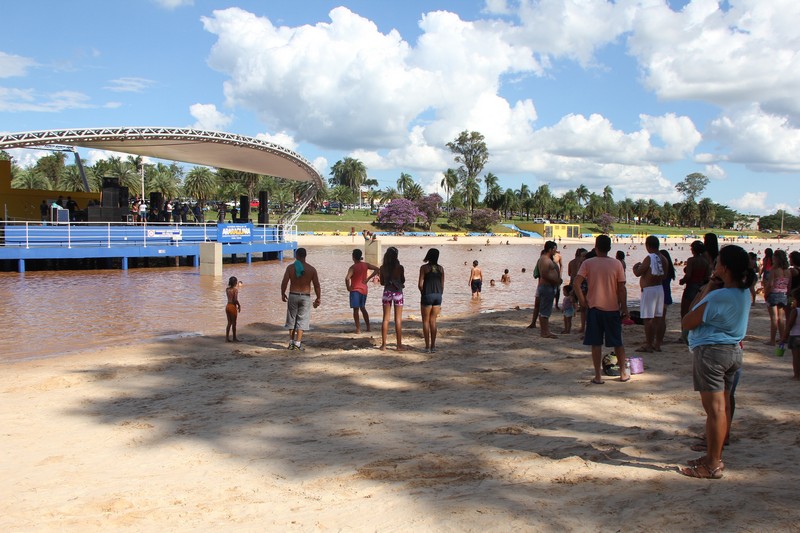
(631,94)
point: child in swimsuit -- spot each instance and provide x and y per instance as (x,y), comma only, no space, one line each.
(233,308)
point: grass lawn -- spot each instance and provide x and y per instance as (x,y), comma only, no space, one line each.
(361,219)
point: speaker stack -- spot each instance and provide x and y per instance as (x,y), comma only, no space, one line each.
(114,203)
(263,207)
(244,208)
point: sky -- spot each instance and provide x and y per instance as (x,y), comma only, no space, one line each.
(634,95)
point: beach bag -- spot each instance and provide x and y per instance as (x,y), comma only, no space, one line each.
(637,365)
(610,366)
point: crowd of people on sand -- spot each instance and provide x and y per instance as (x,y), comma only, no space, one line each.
(720,286)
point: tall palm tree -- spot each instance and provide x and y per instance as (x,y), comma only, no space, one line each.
(542,199)
(640,209)
(595,206)
(404,182)
(569,204)
(523,195)
(163,181)
(449,182)
(472,192)
(653,210)
(608,198)
(490,180)
(508,202)
(583,194)
(494,197)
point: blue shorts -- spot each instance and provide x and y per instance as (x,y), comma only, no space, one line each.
(777,299)
(357,300)
(434,298)
(602,325)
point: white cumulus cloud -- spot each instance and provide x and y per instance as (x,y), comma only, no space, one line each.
(13,65)
(207,117)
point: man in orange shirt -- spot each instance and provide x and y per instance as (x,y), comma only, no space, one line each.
(607,302)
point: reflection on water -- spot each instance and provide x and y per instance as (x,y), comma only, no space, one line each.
(50,313)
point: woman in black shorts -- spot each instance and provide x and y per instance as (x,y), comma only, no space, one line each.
(431,287)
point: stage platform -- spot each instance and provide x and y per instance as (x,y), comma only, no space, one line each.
(23,241)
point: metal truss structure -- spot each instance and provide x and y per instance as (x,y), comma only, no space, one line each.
(210,148)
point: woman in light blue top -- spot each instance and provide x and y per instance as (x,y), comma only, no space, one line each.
(717,324)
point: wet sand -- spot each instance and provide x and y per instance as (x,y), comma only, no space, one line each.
(499,430)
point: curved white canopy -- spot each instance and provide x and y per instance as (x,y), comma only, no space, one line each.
(210,148)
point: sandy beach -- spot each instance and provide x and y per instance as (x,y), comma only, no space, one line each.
(499,430)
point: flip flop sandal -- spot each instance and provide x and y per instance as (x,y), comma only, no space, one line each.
(702,471)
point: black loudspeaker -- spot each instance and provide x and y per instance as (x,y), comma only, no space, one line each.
(110,196)
(124,199)
(263,207)
(109,182)
(244,208)
(156,200)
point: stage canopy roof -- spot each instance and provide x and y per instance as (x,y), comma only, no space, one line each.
(210,148)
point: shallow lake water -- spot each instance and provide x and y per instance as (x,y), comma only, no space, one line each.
(52,313)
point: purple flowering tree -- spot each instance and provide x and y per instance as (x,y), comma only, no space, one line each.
(484,219)
(605,222)
(458,217)
(431,207)
(400,214)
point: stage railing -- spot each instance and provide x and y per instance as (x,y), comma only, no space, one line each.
(114,234)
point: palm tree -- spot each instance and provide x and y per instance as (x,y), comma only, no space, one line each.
(667,213)
(404,182)
(413,192)
(508,202)
(523,195)
(582,192)
(494,197)
(653,210)
(71,179)
(30,179)
(542,199)
(490,180)
(200,183)
(472,192)
(640,209)
(389,194)
(449,182)
(569,204)
(595,206)
(689,213)
(349,172)
(707,211)
(122,170)
(608,198)
(163,181)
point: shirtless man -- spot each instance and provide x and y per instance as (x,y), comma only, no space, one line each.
(299,277)
(475,280)
(651,272)
(549,281)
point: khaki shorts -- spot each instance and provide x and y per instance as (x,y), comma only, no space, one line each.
(714,366)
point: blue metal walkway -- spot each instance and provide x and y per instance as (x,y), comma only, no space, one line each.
(32,240)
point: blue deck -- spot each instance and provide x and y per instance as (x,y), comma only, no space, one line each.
(28,241)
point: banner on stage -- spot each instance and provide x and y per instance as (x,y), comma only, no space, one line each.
(227,233)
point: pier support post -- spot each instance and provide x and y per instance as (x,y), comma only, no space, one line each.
(210,259)
(372,252)
(249,258)
(21,266)
(124,263)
